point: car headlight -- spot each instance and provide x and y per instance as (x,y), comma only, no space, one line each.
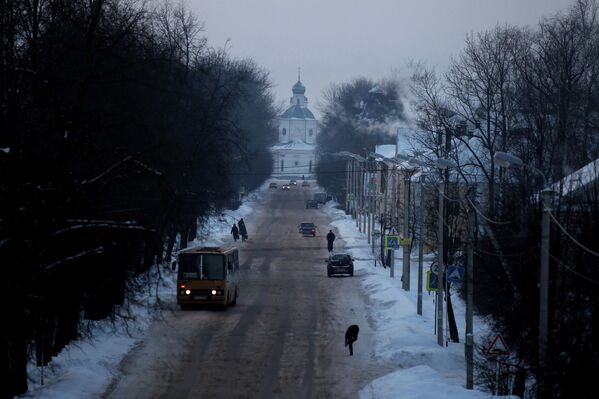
(187,292)
(217,292)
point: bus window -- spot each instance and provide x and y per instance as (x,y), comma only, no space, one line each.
(212,267)
(209,267)
(189,267)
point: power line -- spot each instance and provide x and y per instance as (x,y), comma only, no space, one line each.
(582,276)
(563,229)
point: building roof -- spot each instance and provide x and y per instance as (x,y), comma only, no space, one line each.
(294,145)
(581,178)
(297,112)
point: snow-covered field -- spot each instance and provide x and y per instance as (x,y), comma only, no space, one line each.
(405,340)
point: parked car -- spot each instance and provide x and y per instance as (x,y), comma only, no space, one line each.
(292,183)
(340,264)
(305,184)
(273,185)
(311,204)
(321,198)
(285,187)
(307,229)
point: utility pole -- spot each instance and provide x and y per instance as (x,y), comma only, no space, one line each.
(355,187)
(470,300)
(347,187)
(544,296)
(393,197)
(361,196)
(363,189)
(406,248)
(420,243)
(374,212)
(441,264)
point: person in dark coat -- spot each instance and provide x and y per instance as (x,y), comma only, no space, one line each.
(235,232)
(351,335)
(330,239)
(242,230)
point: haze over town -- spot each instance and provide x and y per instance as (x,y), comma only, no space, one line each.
(336,40)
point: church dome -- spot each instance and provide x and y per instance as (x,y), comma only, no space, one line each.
(298,88)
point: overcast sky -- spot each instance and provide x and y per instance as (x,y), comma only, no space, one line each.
(336,40)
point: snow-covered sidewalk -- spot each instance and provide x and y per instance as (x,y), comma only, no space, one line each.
(404,339)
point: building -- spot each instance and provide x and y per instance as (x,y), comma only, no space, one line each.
(294,155)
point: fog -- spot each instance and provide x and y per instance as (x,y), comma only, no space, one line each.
(335,40)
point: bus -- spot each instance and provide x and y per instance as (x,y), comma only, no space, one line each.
(208,276)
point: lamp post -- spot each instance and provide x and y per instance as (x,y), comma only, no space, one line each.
(441,163)
(506,160)
(420,231)
(405,279)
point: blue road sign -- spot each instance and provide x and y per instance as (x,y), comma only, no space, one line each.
(455,274)
(392,242)
(431,281)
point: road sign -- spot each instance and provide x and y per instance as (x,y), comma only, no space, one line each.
(434,268)
(498,347)
(406,241)
(431,281)
(392,242)
(455,274)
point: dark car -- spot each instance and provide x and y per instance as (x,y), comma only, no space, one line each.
(285,187)
(273,185)
(305,184)
(311,204)
(340,264)
(292,182)
(307,229)
(321,198)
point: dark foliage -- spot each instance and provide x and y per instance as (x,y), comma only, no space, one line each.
(116,137)
(357,116)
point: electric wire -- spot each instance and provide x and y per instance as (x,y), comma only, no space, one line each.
(582,276)
(563,229)
(484,216)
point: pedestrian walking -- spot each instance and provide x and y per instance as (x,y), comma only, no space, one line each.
(235,232)
(330,240)
(242,230)
(351,335)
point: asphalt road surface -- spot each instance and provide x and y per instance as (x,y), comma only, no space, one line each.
(285,337)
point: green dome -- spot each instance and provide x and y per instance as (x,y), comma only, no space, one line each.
(298,88)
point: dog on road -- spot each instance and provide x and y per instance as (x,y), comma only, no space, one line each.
(351,335)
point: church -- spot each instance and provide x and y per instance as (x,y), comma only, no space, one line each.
(294,155)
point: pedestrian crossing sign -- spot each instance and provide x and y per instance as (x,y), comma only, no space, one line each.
(431,281)
(392,242)
(455,274)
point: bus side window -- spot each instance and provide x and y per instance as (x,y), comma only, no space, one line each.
(229,265)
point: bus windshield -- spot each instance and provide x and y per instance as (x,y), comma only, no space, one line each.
(202,267)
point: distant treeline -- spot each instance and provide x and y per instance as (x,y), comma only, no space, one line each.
(120,128)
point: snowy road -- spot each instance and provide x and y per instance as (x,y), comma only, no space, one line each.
(284,339)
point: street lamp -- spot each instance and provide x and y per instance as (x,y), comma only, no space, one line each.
(441,163)
(505,159)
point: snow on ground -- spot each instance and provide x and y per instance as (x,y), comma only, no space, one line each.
(405,340)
